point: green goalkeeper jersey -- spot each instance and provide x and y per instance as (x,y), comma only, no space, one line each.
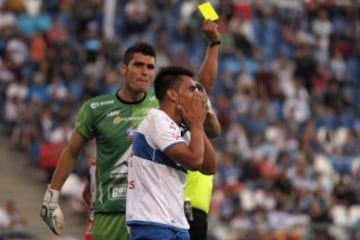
(112,122)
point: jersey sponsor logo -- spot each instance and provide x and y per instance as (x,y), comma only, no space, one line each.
(131,184)
(133,118)
(95,105)
(117,120)
(120,169)
(113,113)
(108,102)
(117,191)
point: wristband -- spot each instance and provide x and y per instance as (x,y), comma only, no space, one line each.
(51,195)
(214,43)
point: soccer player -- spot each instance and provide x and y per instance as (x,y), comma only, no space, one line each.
(162,154)
(111,120)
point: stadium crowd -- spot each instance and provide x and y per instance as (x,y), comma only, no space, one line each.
(287,95)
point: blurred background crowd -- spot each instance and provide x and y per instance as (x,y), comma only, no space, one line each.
(287,95)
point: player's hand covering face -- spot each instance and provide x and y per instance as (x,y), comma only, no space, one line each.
(191,102)
(139,73)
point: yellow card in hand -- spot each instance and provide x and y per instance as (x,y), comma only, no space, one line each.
(208,11)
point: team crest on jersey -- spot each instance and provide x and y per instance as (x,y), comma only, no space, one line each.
(130,133)
(117,120)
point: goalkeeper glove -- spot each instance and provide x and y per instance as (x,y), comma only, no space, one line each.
(51,212)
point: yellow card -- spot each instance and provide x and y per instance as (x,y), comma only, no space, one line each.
(208,11)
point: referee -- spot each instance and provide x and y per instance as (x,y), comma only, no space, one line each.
(198,189)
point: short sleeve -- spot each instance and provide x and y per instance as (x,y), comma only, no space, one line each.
(83,123)
(164,132)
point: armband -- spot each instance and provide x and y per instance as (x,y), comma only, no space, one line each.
(214,43)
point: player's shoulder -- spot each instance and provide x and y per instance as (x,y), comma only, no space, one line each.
(102,97)
(156,113)
(160,118)
(153,115)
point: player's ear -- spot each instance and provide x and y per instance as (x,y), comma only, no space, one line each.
(123,69)
(171,94)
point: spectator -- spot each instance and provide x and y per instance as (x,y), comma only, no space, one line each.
(12,221)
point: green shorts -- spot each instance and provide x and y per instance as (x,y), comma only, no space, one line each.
(110,227)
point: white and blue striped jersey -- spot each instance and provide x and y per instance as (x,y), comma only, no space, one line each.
(155,182)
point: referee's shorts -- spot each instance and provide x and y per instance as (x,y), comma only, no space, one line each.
(199,225)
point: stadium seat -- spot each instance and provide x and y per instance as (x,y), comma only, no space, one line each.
(354,214)
(340,215)
(323,165)
(247,199)
(355,165)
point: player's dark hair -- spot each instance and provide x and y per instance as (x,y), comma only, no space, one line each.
(140,47)
(169,77)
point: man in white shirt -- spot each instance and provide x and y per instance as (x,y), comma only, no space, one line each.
(162,155)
